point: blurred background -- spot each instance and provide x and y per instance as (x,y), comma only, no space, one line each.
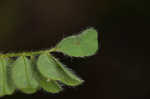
(120,70)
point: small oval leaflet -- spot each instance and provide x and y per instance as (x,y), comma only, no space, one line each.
(30,74)
(48,85)
(84,44)
(6,86)
(51,68)
(22,75)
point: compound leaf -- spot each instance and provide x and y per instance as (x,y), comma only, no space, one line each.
(47,72)
(22,75)
(84,44)
(54,70)
(6,85)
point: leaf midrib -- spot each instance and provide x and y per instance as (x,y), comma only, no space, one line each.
(26,71)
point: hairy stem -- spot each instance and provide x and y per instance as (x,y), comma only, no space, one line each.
(27,53)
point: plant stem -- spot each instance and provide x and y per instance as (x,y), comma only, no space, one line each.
(7,55)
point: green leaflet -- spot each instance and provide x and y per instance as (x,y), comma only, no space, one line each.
(6,86)
(84,44)
(51,68)
(48,85)
(22,75)
(69,77)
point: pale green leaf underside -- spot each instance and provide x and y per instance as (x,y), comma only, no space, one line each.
(51,69)
(6,86)
(69,78)
(84,44)
(51,86)
(48,85)
(22,75)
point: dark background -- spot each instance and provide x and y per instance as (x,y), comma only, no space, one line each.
(120,70)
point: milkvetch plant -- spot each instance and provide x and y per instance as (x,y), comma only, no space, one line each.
(32,71)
